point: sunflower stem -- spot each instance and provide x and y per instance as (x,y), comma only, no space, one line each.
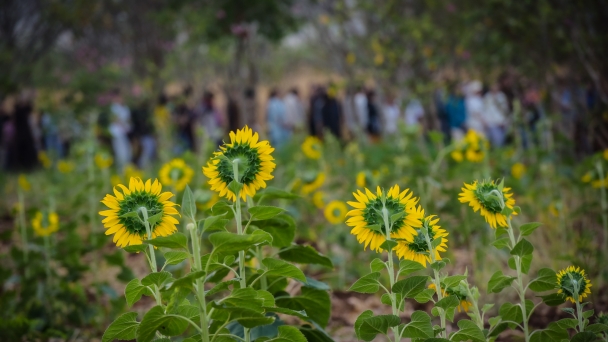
(436,282)
(478,317)
(152,258)
(391,271)
(200,285)
(520,281)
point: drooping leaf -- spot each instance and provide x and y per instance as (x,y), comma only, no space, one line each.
(135,290)
(157,278)
(304,255)
(264,212)
(312,301)
(545,281)
(498,282)
(411,286)
(420,326)
(528,228)
(367,284)
(123,328)
(469,331)
(176,240)
(281,268)
(372,326)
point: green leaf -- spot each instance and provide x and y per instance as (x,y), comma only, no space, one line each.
(438,265)
(176,240)
(436,242)
(501,243)
(410,287)
(554,299)
(315,284)
(420,326)
(282,228)
(389,245)
(486,307)
(359,322)
(123,328)
(300,314)
(424,296)
(135,248)
(213,223)
(188,280)
(156,320)
(397,216)
(545,281)
(498,282)
(567,323)
(597,328)
(585,336)
(157,278)
(289,334)
(526,261)
(528,228)
(271,193)
(284,269)
(453,281)
(569,310)
(135,290)
(130,214)
(372,326)
(377,265)
(224,285)
(226,243)
(304,255)
(175,257)
(188,204)
(588,313)
(510,312)
(235,187)
(310,300)
(448,302)
(367,284)
(375,227)
(263,212)
(469,331)
(523,247)
(553,333)
(408,266)
(154,219)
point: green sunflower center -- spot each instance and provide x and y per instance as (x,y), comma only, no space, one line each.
(132,203)
(568,284)
(488,199)
(419,244)
(372,214)
(249,164)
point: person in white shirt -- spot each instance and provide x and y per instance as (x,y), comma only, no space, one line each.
(496,107)
(414,112)
(294,111)
(392,113)
(474,107)
(119,130)
(361,108)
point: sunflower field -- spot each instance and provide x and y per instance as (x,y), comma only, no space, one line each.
(407,239)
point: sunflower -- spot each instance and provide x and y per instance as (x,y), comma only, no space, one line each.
(457,156)
(176,173)
(65,166)
(335,211)
(317,199)
(130,230)
(586,177)
(24,184)
(103,161)
(361,179)
(255,164)
(415,247)
(571,279)
(45,224)
(482,197)
(312,147)
(367,220)
(475,145)
(313,184)
(461,294)
(518,170)
(45,160)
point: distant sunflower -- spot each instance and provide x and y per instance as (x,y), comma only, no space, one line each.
(335,211)
(464,305)
(45,160)
(571,278)
(65,166)
(518,170)
(103,161)
(130,230)
(318,199)
(24,184)
(312,147)
(313,184)
(586,177)
(482,197)
(367,220)
(475,146)
(176,173)
(45,224)
(254,159)
(457,156)
(415,247)
(361,179)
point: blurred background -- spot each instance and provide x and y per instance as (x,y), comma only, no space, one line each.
(427,94)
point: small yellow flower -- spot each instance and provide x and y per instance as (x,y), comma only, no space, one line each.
(571,279)
(518,170)
(65,166)
(318,199)
(176,173)
(600,183)
(314,184)
(24,184)
(335,211)
(45,224)
(457,156)
(45,160)
(312,147)
(103,161)
(586,178)
(361,179)
(482,197)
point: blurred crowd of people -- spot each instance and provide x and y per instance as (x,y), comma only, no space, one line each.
(138,129)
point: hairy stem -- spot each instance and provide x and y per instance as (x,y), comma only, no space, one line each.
(391,273)
(200,285)
(519,281)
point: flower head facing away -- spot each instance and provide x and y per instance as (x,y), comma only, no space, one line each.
(312,147)
(459,292)
(130,229)
(45,224)
(416,247)
(253,159)
(487,198)
(368,216)
(176,173)
(573,283)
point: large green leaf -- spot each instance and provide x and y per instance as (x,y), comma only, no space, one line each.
(367,284)
(448,302)
(225,243)
(585,336)
(157,278)
(410,287)
(213,223)
(545,281)
(469,331)
(420,326)
(304,255)
(156,320)
(453,281)
(123,328)
(282,268)
(271,193)
(187,281)
(526,261)
(359,322)
(528,228)
(135,290)
(510,312)
(554,299)
(498,282)
(408,266)
(175,257)
(282,228)
(263,212)
(372,326)
(553,333)
(188,204)
(176,240)
(312,301)
(523,247)
(287,334)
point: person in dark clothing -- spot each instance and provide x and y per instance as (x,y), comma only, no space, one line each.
(315,119)
(185,118)
(233,113)
(21,148)
(374,126)
(143,133)
(332,114)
